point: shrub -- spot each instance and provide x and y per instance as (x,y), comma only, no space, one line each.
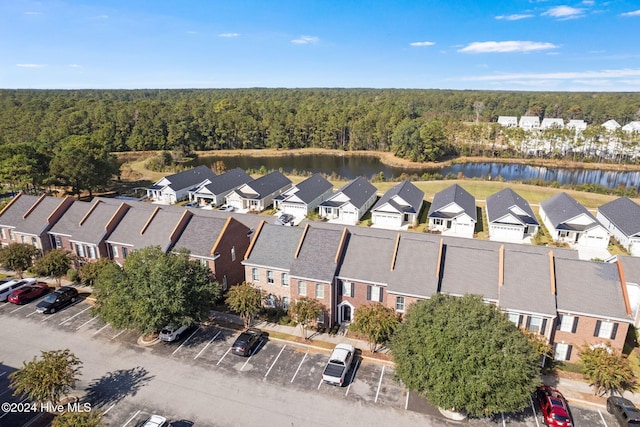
(72,274)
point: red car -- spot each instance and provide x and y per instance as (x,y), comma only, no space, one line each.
(554,407)
(28,293)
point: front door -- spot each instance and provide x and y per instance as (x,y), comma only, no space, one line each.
(346,313)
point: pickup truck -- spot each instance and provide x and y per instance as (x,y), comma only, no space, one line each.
(338,365)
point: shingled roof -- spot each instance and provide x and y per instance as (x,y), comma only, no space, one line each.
(562,208)
(189,178)
(317,258)
(453,194)
(624,213)
(227,181)
(407,192)
(312,187)
(506,202)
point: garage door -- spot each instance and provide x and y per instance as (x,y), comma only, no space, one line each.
(503,233)
(299,211)
(383,220)
(349,217)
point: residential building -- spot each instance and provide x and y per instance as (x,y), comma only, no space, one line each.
(577,125)
(176,187)
(552,123)
(621,217)
(258,194)
(632,127)
(453,212)
(529,122)
(399,207)
(631,271)
(611,125)
(302,199)
(350,203)
(508,121)
(510,217)
(212,191)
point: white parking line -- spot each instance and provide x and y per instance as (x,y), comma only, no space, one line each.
(101,329)
(299,366)
(379,384)
(130,419)
(353,374)
(7,413)
(87,322)
(185,341)
(74,316)
(223,356)
(205,347)
(535,416)
(602,418)
(32,313)
(406,403)
(2,373)
(504,423)
(274,362)
(108,409)
(19,308)
(320,384)
(118,334)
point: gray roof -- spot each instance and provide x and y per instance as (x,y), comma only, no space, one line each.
(317,257)
(190,178)
(562,207)
(503,202)
(200,234)
(468,270)
(358,191)
(591,288)
(36,222)
(624,213)
(409,193)
(228,181)
(367,258)
(415,267)
(312,187)
(527,283)
(93,228)
(453,194)
(12,215)
(269,184)
(631,266)
(275,247)
(158,231)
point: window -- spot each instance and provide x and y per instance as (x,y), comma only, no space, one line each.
(80,250)
(270,277)
(255,275)
(58,241)
(204,262)
(34,242)
(271,301)
(114,250)
(11,235)
(125,252)
(347,289)
(536,324)
(285,279)
(374,293)
(606,330)
(515,318)
(562,351)
(437,221)
(302,288)
(2,234)
(568,323)
(233,254)
(400,304)
(285,303)
(563,233)
(319,290)
(23,239)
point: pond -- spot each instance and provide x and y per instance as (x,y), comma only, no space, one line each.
(349,167)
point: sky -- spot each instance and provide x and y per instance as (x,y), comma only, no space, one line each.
(524,45)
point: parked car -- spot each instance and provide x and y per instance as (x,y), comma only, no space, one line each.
(285,219)
(624,410)
(57,300)
(247,342)
(338,365)
(227,209)
(554,407)
(155,421)
(12,285)
(172,332)
(28,293)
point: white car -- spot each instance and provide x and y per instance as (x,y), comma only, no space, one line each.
(227,209)
(172,332)
(155,421)
(9,285)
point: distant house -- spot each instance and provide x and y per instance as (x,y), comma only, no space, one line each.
(350,203)
(622,218)
(550,123)
(453,212)
(611,125)
(303,198)
(173,188)
(529,122)
(214,190)
(508,121)
(632,127)
(259,194)
(570,222)
(398,207)
(510,217)
(577,125)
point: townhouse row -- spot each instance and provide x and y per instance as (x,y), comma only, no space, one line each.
(534,123)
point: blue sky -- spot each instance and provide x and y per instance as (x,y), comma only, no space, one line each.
(547,45)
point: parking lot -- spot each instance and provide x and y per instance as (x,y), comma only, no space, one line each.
(283,364)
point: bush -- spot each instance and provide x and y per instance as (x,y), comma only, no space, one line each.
(284,320)
(72,274)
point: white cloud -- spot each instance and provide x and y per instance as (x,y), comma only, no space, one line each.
(306,40)
(75,66)
(564,12)
(30,65)
(508,46)
(228,35)
(420,44)
(515,16)
(633,13)
(582,75)
(32,13)
(588,2)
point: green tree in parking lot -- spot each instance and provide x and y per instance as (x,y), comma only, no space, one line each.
(79,419)
(304,311)
(375,321)
(246,300)
(54,263)
(153,289)
(18,257)
(47,379)
(607,371)
(463,354)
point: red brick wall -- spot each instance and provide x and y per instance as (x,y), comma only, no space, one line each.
(584,336)
(234,236)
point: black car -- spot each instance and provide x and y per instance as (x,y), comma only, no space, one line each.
(285,219)
(60,298)
(624,410)
(246,343)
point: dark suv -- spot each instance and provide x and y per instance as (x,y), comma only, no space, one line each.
(624,410)
(247,342)
(60,298)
